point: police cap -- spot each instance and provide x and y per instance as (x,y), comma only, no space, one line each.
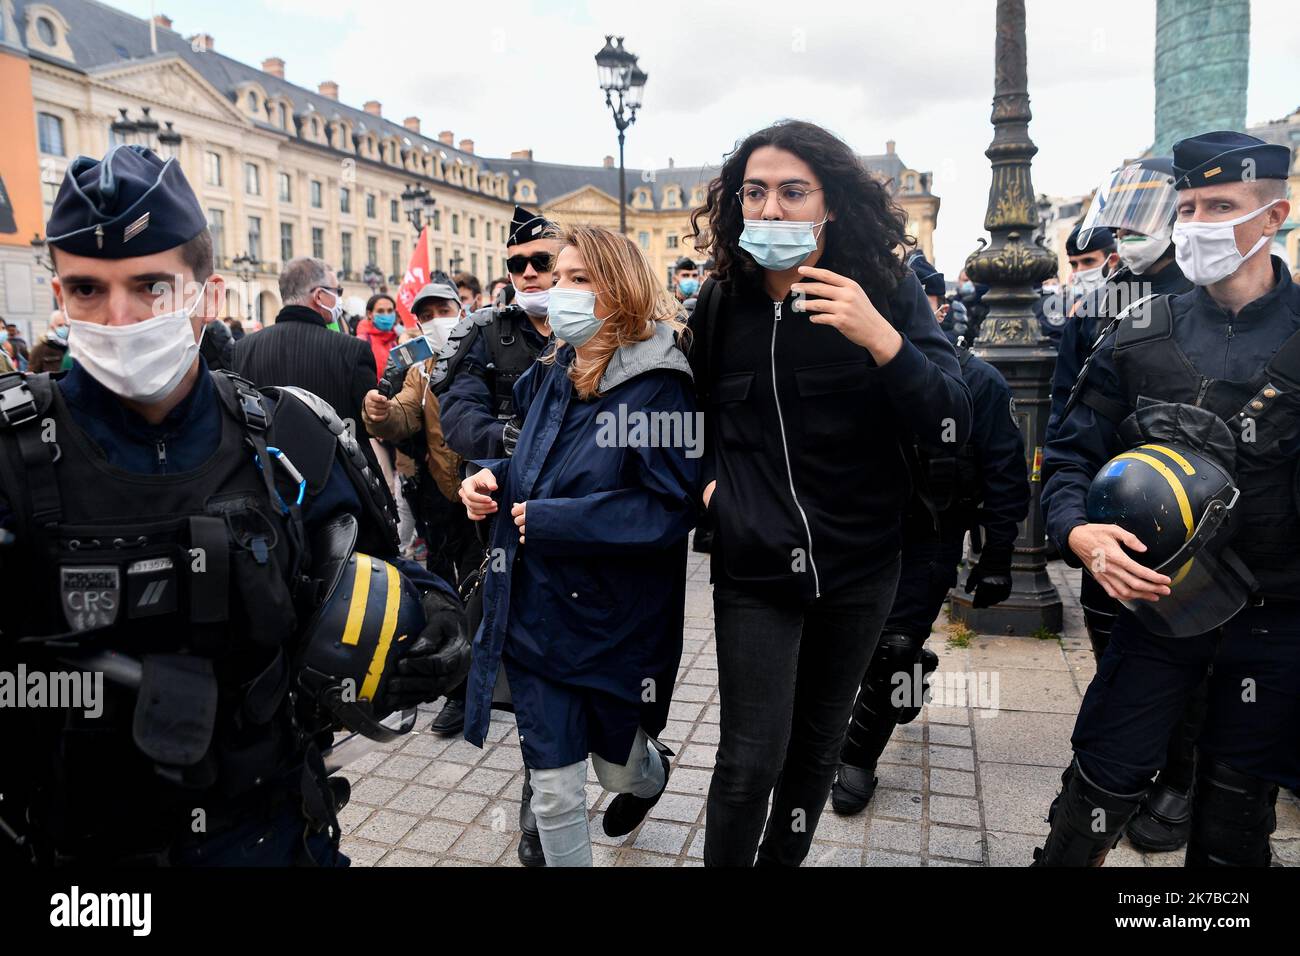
(1224,156)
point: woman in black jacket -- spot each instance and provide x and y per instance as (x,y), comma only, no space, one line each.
(817,361)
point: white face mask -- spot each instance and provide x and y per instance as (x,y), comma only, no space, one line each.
(336,310)
(437,330)
(1139,253)
(534,303)
(1085,280)
(142,362)
(1207,251)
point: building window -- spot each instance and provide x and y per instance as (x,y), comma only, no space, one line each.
(672,242)
(370,206)
(286,187)
(473,263)
(490,270)
(255,237)
(471,227)
(503,234)
(437,259)
(217,226)
(345,199)
(212,169)
(286,241)
(455,224)
(252,101)
(50,131)
(315,195)
(393,210)
(317,243)
(437,220)
(345,253)
(372,251)
(398,267)
(252,179)
(644,239)
(45,30)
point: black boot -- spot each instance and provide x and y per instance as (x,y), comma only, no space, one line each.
(1086,822)
(853,789)
(450,720)
(530,841)
(625,812)
(1164,821)
(1233,818)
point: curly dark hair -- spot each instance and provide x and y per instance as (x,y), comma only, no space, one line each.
(863,241)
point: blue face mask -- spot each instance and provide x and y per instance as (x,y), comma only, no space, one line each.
(688,286)
(779,244)
(61,333)
(384,323)
(572,313)
(4,336)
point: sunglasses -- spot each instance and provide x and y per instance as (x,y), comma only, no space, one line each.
(337,290)
(540,261)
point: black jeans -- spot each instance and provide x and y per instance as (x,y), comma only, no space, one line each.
(787,676)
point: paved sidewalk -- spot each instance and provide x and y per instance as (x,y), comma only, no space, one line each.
(960,786)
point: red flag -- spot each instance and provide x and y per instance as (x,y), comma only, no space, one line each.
(417,276)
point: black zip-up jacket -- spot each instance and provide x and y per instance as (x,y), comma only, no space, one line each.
(804,434)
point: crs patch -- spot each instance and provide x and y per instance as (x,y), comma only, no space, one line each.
(91,596)
(1015,421)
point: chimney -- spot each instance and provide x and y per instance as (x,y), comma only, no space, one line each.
(373,107)
(329,88)
(162,20)
(467,146)
(889,147)
(412,123)
(609,162)
(275,66)
(447,138)
(202,43)
(521,154)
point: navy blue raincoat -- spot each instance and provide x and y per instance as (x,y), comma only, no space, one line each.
(585,617)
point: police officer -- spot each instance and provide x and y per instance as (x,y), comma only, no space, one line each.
(186,536)
(474,380)
(1216,372)
(1139,203)
(983,485)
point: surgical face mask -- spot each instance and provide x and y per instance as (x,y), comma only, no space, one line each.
(1139,253)
(384,322)
(142,362)
(1207,251)
(4,336)
(573,316)
(688,286)
(779,244)
(336,310)
(1085,280)
(61,332)
(438,329)
(534,303)
(967,288)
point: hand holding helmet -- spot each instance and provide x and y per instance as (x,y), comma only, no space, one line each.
(436,661)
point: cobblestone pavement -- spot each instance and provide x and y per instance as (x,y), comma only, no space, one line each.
(960,786)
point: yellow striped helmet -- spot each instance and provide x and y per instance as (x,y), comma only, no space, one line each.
(1178,502)
(352,640)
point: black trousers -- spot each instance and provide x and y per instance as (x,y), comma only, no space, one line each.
(1142,687)
(787,676)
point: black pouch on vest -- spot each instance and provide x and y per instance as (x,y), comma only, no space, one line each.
(176,708)
(264,611)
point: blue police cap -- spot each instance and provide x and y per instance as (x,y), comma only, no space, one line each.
(1224,156)
(130,203)
(931,278)
(1099,240)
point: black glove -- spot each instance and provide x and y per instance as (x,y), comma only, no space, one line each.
(510,436)
(438,660)
(990,579)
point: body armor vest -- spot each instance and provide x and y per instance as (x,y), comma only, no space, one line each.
(509,354)
(1264,415)
(191,574)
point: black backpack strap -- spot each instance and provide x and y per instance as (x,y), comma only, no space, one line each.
(1149,319)
(704,332)
(459,342)
(24,399)
(1280,376)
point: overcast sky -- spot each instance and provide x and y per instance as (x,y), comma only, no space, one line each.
(513,74)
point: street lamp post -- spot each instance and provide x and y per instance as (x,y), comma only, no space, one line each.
(620,75)
(246,268)
(145,131)
(41,252)
(1009,337)
(373,277)
(418,205)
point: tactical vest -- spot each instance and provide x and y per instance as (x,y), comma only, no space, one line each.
(1262,412)
(199,577)
(509,354)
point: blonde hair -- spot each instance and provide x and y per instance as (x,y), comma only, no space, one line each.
(626,281)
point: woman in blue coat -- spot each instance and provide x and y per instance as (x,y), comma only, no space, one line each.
(586,583)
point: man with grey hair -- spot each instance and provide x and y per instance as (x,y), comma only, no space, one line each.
(299,348)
